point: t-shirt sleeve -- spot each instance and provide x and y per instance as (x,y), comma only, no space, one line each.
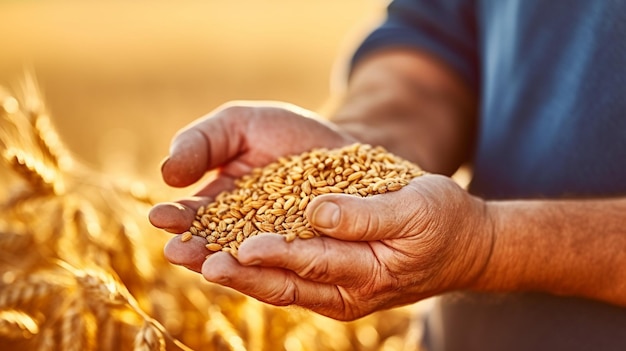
(444,28)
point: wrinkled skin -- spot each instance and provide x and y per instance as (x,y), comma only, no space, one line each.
(378,252)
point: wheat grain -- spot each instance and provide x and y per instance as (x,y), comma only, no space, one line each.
(274,198)
(101,287)
(186,236)
(26,291)
(15,324)
(149,338)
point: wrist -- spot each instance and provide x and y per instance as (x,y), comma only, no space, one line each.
(510,258)
(485,259)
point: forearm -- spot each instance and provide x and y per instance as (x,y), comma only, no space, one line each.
(570,248)
(411,104)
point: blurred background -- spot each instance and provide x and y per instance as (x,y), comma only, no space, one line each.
(120,78)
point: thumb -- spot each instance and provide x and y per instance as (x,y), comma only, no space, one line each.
(352,218)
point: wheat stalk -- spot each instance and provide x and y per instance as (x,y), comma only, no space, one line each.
(29,145)
(44,134)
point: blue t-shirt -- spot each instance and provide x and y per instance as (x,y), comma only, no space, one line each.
(551,78)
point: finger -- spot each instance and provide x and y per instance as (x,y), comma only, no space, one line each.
(176,217)
(206,144)
(384,216)
(322,260)
(188,159)
(274,286)
(190,254)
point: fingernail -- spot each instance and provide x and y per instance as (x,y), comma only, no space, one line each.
(326,215)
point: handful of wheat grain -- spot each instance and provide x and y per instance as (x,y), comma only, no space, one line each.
(274,198)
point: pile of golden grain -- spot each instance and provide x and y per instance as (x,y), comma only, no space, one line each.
(274,198)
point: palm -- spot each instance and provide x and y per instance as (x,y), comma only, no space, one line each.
(387,276)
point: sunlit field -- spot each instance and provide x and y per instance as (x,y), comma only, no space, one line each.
(80,267)
(121,77)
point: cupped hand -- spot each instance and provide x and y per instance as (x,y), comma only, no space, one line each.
(376,253)
(233,140)
(242,135)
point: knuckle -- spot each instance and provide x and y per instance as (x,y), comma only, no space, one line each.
(365,224)
(372,224)
(308,260)
(285,295)
(233,109)
(315,269)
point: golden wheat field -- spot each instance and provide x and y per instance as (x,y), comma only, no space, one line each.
(83,131)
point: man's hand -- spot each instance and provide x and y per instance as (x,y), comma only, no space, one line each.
(379,252)
(233,140)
